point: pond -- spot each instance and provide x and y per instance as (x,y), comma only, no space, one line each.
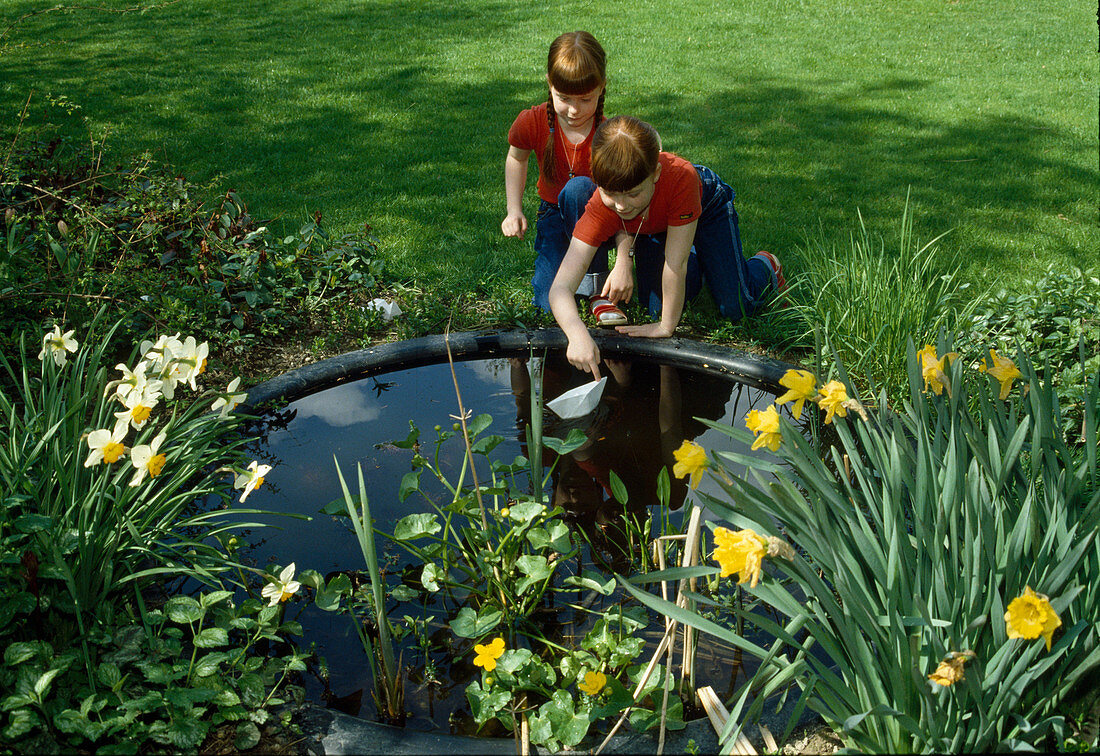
(647,410)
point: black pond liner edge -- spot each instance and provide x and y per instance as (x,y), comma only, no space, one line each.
(338,733)
(755,370)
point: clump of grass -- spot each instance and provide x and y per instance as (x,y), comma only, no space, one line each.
(867,300)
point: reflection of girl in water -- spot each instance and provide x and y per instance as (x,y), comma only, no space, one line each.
(643,417)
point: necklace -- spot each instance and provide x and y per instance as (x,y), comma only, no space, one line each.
(570,158)
(634,241)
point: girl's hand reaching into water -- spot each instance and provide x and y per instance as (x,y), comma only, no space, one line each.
(583,354)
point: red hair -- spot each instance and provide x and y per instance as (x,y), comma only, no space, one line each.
(624,153)
(576,64)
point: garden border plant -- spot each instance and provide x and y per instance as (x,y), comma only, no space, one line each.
(934,546)
(99,506)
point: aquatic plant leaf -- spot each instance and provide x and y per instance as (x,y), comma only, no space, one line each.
(410,482)
(535,569)
(468,624)
(525,511)
(431,575)
(591,580)
(417,525)
(618,488)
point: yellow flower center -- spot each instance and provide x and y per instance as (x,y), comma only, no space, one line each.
(155,464)
(112,451)
(285,595)
(202,367)
(259,481)
(140,413)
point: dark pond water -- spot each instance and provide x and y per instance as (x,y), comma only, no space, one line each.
(646,412)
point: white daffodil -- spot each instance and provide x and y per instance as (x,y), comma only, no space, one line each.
(106,446)
(57,344)
(147,460)
(161,356)
(283,588)
(192,360)
(228,401)
(138,404)
(251,480)
(133,381)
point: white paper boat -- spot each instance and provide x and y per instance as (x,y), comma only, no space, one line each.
(579,401)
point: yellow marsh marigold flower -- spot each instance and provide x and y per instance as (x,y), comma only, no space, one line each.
(800,385)
(950,670)
(932,368)
(1002,369)
(283,588)
(56,344)
(766,427)
(831,398)
(593,683)
(487,655)
(741,551)
(691,460)
(1031,615)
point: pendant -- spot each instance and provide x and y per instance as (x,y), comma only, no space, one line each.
(571,175)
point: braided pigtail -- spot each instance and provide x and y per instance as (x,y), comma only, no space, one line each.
(549,162)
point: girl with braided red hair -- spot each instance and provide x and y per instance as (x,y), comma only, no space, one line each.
(560,130)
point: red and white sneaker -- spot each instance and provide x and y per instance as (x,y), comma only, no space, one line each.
(605,312)
(773,262)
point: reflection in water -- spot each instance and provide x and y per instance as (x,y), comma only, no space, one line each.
(646,412)
(643,417)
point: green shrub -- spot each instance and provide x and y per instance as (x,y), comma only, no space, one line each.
(146,243)
(1054,318)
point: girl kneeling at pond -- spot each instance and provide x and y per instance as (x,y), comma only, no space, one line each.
(657,205)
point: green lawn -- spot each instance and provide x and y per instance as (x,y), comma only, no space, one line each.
(395,113)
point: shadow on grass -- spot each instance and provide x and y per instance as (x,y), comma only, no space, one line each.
(375,112)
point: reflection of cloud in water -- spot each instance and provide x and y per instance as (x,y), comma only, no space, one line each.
(341,406)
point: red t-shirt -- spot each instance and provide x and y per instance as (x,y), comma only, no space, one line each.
(529,132)
(676,202)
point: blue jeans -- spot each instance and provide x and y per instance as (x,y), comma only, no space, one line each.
(553,231)
(738,286)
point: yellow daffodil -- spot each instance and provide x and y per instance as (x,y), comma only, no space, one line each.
(228,401)
(282,589)
(691,460)
(831,398)
(251,480)
(139,405)
(487,655)
(147,459)
(950,670)
(742,552)
(766,427)
(106,445)
(932,368)
(593,683)
(1003,370)
(57,345)
(801,385)
(1031,615)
